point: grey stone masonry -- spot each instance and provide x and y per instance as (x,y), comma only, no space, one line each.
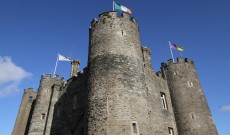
(147,58)
(24,113)
(160,110)
(75,66)
(44,105)
(70,110)
(118,93)
(191,110)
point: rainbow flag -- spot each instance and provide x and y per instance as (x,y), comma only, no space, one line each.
(122,8)
(176,47)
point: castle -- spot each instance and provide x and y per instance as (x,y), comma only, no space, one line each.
(118,93)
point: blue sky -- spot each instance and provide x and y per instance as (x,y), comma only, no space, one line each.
(32,33)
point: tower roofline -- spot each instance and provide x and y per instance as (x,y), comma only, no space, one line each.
(112,14)
(48,76)
(179,61)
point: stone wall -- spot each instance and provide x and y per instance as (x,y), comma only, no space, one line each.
(44,106)
(190,106)
(25,112)
(70,110)
(161,117)
(117,94)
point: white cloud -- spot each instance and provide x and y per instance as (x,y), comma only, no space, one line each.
(10,76)
(225,108)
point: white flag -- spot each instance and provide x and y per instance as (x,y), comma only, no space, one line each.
(63,58)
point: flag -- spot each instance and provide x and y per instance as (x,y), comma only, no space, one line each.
(63,58)
(176,47)
(122,8)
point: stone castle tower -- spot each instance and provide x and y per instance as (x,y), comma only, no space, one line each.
(118,93)
(190,106)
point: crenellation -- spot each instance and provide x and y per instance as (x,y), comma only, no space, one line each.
(170,62)
(28,90)
(189,61)
(110,18)
(188,98)
(125,15)
(180,60)
(164,65)
(109,14)
(56,76)
(48,75)
(118,93)
(133,19)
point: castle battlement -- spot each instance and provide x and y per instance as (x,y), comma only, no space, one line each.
(111,15)
(118,92)
(48,76)
(28,90)
(180,60)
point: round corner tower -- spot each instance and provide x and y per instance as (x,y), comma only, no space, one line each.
(117,94)
(191,109)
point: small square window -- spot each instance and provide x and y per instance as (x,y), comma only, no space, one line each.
(134,127)
(135,130)
(170,131)
(192,115)
(43,116)
(190,84)
(175,73)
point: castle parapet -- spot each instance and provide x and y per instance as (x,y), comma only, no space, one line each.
(187,97)
(180,60)
(112,15)
(28,90)
(48,76)
(170,62)
(56,76)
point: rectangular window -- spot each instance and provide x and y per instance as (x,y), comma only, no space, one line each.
(163,100)
(135,130)
(43,116)
(170,131)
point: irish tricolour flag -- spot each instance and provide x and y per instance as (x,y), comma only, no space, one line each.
(122,8)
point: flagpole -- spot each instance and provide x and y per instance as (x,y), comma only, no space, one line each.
(180,54)
(55,67)
(171,51)
(113,5)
